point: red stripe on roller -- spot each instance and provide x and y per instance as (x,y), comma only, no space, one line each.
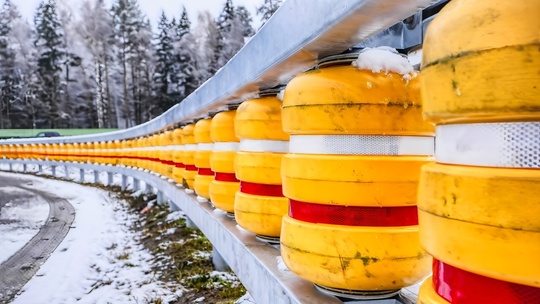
(225,177)
(179,165)
(261,189)
(354,215)
(191,168)
(458,286)
(205,171)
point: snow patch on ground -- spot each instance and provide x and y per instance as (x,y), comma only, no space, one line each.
(20,220)
(100,260)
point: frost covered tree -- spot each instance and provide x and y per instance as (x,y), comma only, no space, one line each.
(96,26)
(125,21)
(8,73)
(243,15)
(267,9)
(186,76)
(51,54)
(164,70)
(233,27)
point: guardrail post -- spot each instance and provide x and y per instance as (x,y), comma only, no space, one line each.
(96,176)
(218,261)
(81,175)
(53,170)
(160,198)
(173,206)
(40,169)
(190,224)
(124,182)
(147,189)
(66,172)
(109,179)
(10,167)
(136,184)
(24,167)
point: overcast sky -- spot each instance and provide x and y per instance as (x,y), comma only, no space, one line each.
(152,8)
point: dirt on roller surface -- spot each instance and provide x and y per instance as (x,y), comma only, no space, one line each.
(20,267)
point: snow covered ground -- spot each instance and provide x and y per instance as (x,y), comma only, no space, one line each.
(100,260)
(20,219)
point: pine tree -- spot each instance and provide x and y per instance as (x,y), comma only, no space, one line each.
(267,9)
(164,65)
(243,15)
(8,74)
(224,24)
(96,26)
(51,55)
(184,25)
(185,75)
(127,21)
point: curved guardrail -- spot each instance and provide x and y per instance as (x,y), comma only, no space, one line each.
(290,43)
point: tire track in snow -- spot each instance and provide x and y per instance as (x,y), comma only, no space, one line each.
(23,265)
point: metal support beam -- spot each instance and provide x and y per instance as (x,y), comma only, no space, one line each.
(81,175)
(66,171)
(110,179)
(219,263)
(136,184)
(24,167)
(160,197)
(53,170)
(190,224)
(40,168)
(96,176)
(124,182)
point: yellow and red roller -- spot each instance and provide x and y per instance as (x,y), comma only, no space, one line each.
(259,204)
(479,204)
(357,144)
(225,185)
(202,159)
(190,146)
(177,156)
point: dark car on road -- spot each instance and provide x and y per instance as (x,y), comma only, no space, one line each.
(48,134)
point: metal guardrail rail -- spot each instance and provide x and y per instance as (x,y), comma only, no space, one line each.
(290,43)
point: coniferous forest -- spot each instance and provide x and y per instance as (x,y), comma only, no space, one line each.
(105,66)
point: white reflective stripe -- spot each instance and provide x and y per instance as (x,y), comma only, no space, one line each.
(176,147)
(362,145)
(226,146)
(262,145)
(514,145)
(190,147)
(205,146)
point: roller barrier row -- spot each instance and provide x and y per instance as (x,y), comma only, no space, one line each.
(363,175)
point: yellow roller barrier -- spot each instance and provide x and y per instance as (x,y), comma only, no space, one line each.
(178,169)
(361,102)
(341,250)
(491,72)
(381,187)
(480,65)
(453,204)
(189,145)
(320,240)
(202,158)
(224,186)
(260,119)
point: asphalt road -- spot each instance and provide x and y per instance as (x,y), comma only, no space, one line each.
(20,267)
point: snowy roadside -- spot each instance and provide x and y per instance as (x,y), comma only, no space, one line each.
(100,260)
(21,217)
(116,255)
